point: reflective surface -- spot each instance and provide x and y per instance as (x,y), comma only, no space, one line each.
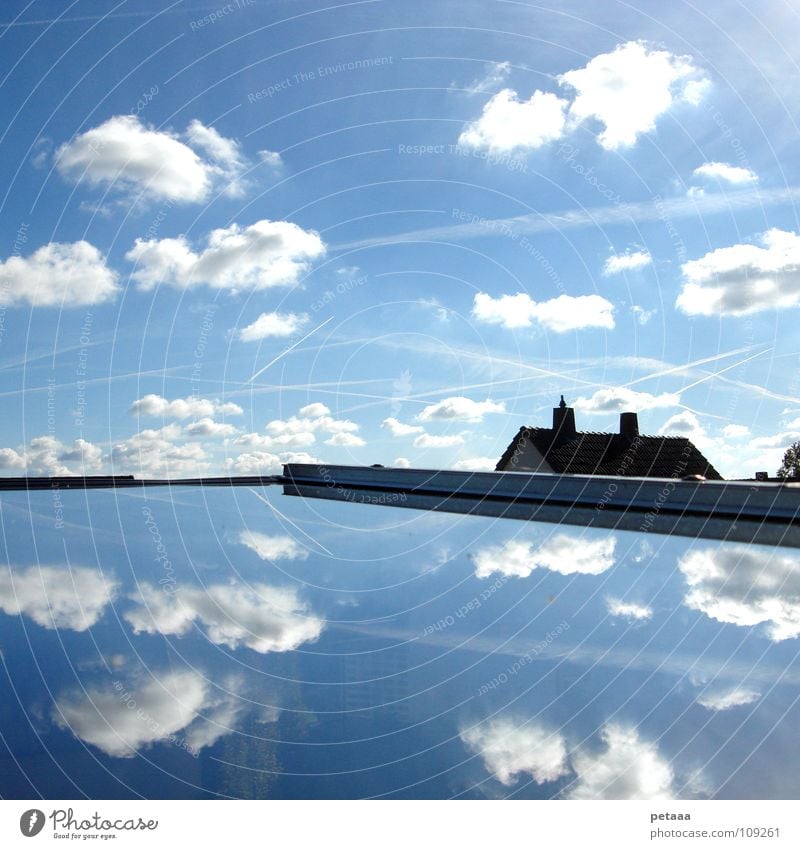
(244,644)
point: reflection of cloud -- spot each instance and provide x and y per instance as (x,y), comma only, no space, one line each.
(509,749)
(273,547)
(263,618)
(730,699)
(745,586)
(629,768)
(56,597)
(119,719)
(630,610)
(560,553)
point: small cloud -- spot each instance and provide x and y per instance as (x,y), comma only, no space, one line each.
(459,408)
(273,547)
(495,74)
(397,428)
(642,315)
(345,440)
(402,463)
(729,699)
(561,553)
(620,399)
(560,314)
(476,464)
(273,324)
(628,610)
(733,174)
(627,262)
(427,440)
(182,408)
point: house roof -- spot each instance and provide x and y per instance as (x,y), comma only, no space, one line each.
(590,453)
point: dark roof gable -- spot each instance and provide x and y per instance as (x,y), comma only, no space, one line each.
(588,453)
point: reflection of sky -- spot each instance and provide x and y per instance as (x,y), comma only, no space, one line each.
(221,643)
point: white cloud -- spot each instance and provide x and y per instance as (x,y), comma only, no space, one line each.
(734,431)
(46,455)
(345,440)
(627,262)
(397,428)
(271,158)
(59,275)
(642,315)
(559,314)
(745,586)
(120,719)
(155,453)
(475,464)
(629,768)
(265,463)
(628,89)
(620,399)
(728,173)
(256,257)
(207,427)
(273,324)
(300,439)
(314,411)
(496,73)
(508,123)
(260,617)
(71,597)
(402,463)
(132,158)
(273,547)
(729,699)
(743,279)
(629,610)
(561,553)
(182,408)
(682,424)
(510,750)
(461,409)
(427,440)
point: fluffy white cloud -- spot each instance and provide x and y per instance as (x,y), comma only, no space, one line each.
(58,275)
(510,750)
(508,123)
(475,464)
(300,439)
(182,408)
(397,428)
(627,262)
(120,719)
(345,440)
(742,278)
(461,409)
(560,553)
(559,314)
(745,586)
(46,455)
(402,463)
(729,699)
(207,427)
(260,617)
(273,324)
(314,411)
(156,453)
(728,173)
(620,399)
(427,440)
(130,157)
(262,255)
(265,463)
(628,89)
(629,768)
(628,610)
(273,547)
(734,431)
(56,597)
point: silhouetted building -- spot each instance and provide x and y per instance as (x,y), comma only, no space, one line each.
(562,449)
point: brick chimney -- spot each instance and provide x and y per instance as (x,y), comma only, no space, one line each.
(628,425)
(563,422)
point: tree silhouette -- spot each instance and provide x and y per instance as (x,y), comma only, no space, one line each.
(790,467)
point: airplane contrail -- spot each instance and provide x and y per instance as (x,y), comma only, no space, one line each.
(286,350)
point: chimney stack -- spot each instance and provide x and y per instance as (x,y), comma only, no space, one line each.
(563,422)
(628,425)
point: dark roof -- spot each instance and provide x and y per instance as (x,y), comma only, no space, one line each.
(612,454)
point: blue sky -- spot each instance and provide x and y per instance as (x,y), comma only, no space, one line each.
(243,233)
